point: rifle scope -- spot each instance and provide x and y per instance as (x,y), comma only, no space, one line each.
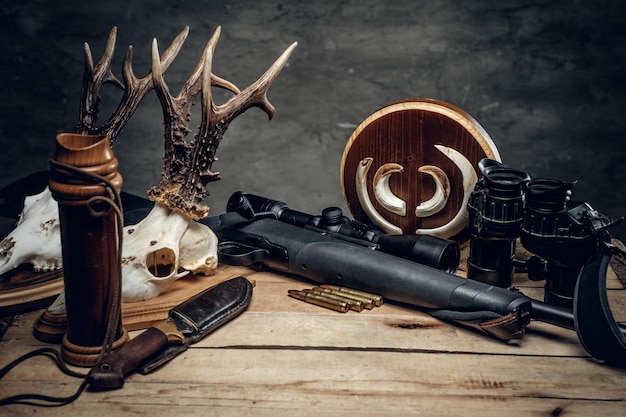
(427,250)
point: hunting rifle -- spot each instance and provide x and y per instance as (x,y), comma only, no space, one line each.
(269,238)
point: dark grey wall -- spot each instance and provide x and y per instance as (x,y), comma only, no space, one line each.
(544,78)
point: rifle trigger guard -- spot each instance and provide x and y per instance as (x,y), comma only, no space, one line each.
(239,254)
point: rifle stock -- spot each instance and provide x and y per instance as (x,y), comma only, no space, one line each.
(327,259)
(320,256)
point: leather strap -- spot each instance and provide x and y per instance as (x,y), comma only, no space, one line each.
(506,327)
(599,333)
(510,326)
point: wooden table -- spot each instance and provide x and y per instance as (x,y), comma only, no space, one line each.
(283,357)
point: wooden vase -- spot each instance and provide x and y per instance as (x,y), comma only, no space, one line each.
(90,243)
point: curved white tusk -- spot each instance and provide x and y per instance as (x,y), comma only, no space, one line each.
(382,190)
(442,192)
(366,203)
(459,221)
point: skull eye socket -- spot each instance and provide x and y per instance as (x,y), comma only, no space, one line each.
(161,262)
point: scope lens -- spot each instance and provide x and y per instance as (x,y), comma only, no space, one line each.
(331,216)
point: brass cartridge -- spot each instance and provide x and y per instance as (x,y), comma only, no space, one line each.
(377,299)
(367,302)
(319,300)
(355,305)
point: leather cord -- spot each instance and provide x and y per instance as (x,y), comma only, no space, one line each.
(39,399)
(112,201)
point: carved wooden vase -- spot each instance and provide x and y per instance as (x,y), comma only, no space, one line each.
(85,167)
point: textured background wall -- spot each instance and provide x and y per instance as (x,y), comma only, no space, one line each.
(546,79)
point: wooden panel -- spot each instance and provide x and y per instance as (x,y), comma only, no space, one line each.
(226,382)
(407,133)
(286,357)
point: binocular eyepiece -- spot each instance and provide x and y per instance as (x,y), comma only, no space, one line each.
(427,250)
(505,205)
(495,212)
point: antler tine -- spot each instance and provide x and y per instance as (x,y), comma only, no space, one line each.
(187,166)
(93,79)
(172,51)
(103,69)
(215,121)
(176,114)
(137,88)
(193,84)
(208,105)
(206,65)
(214,79)
(255,95)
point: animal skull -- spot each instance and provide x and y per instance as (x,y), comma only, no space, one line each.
(165,246)
(36,238)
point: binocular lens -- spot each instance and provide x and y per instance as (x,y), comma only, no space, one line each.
(547,194)
(504,181)
(495,211)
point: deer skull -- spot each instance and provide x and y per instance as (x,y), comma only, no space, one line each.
(36,238)
(165,246)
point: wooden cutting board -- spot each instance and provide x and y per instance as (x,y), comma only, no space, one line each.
(142,314)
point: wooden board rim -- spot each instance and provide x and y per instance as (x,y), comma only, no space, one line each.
(436,106)
(386,129)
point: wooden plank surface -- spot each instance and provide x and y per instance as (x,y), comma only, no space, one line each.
(286,357)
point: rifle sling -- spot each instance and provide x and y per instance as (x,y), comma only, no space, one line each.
(510,326)
(597,329)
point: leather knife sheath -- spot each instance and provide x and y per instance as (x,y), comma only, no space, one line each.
(187,323)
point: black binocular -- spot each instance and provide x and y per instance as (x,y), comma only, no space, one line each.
(561,234)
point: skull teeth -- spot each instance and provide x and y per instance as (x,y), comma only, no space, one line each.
(7,244)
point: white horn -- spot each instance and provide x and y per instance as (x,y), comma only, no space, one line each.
(366,203)
(441,195)
(459,221)
(382,190)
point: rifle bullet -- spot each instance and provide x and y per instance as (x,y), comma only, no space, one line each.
(367,302)
(376,299)
(355,305)
(321,301)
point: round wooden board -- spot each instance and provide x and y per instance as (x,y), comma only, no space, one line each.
(412,134)
(23,289)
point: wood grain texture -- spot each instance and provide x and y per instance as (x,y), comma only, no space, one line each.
(406,133)
(286,357)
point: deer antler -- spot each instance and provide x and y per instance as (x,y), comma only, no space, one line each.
(187,166)
(135,89)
